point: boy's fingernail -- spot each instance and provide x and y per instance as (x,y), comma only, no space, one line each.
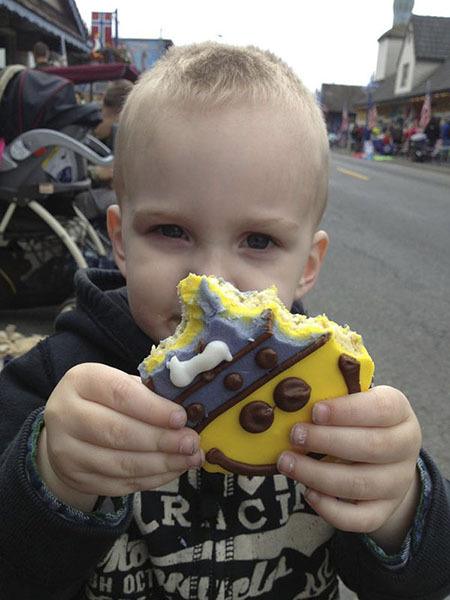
(178,418)
(321,414)
(286,463)
(188,445)
(310,495)
(197,459)
(298,435)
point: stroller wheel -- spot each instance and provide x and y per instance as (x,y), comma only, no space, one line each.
(66,306)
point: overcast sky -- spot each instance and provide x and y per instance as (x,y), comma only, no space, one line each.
(325,41)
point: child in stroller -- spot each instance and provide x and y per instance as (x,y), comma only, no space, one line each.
(44,237)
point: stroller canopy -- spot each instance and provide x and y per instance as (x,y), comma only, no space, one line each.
(34,99)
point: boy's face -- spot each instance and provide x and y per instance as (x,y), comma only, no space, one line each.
(227,193)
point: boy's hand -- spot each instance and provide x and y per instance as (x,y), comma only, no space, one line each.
(376,489)
(106,434)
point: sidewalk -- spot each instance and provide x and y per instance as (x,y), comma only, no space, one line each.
(443,168)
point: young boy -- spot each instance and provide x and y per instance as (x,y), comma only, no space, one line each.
(221,168)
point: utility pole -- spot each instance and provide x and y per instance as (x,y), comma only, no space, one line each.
(116,35)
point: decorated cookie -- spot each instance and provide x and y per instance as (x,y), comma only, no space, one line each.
(246,370)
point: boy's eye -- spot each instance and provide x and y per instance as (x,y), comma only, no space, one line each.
(258,241)
(173,231)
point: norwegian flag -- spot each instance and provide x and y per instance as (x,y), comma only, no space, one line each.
(425,113)
(101,28)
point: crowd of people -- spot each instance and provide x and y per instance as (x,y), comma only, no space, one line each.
(404,138)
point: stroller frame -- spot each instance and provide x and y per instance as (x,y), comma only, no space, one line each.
(32,142)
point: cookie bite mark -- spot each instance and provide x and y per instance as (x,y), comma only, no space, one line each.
(350,369)
(217,457)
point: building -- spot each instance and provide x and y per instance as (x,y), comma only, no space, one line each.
(55,22)
(335,99)
(143,53)
(413,58)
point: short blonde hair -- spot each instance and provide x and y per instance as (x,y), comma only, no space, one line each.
(202,77)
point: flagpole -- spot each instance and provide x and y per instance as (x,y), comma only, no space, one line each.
(116,28)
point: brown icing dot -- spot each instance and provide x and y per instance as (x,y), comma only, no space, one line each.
(266,358)
(291,394)
(256,417)
(233,381)
(195,412)
(208,375)
(350,368)
(149,383)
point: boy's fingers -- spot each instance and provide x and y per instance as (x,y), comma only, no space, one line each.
(380,406)
(125,394)
(349,481)
(101,426)
(119,464)
(358,444)
(358,517)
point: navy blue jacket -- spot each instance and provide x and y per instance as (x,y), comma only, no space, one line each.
(201,536)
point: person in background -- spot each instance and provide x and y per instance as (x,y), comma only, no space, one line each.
(113,101)
(41,54)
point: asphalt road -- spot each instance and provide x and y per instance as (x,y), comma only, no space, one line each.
(387,274)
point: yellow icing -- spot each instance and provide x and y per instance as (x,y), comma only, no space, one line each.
(320,370)
(246,306)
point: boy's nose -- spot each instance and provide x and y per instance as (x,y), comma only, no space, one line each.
(214,263)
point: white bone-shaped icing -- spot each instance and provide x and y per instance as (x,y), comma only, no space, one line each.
(182,373)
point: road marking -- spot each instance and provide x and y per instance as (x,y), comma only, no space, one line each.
(352,174)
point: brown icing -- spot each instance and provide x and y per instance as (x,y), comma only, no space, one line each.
(350,368)
(266,358)
(256,417)
(297,357)
(149,383)
(291,394)
(201,346)
(208,375)
(233,381)
(216,457)
(195,412)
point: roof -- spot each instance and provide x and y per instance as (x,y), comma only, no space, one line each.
(335,96)
(431,37)
(65,22)
(95,72)
(439,80)
(398,31)
(432,42)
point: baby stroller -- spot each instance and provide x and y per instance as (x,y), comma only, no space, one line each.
(44,237)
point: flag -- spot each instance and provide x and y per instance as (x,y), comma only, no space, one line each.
(101,28)
(425,113)
(372,114)
(344,119)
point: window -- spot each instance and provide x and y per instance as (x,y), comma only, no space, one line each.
(405,72)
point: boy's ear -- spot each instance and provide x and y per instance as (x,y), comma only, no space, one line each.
(114,224)
(314,263)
